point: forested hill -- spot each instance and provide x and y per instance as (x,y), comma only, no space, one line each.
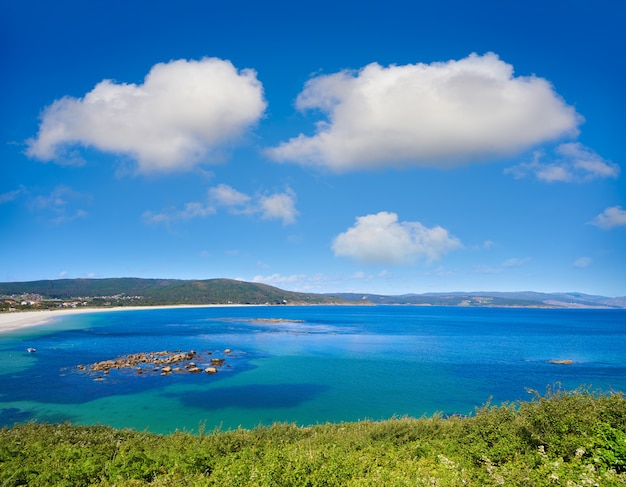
(136,291)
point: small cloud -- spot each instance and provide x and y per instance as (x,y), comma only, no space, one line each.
(225,195)
(573,162)
(279,206)
(195,209)
(488,270)
(181,115)
(191,210)
(71,217)
(12,195)
(610,218)
(382,239)
(439,114)
(58,198)
(516,262)
(278,279)
(152,218)
(487,244)
(58,204)
(582,262)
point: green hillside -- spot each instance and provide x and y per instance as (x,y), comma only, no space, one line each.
(135,291)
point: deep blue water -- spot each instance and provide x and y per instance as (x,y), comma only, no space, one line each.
(317,364)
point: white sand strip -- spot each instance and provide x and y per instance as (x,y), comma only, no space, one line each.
(13,320)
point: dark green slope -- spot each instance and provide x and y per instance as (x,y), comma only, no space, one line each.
(71,288)
(219,291)
(164,291)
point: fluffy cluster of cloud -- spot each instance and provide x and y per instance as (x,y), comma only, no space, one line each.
(382,239)
(276,206)
(437,114)
(573,163)
(612,217)
(184,111)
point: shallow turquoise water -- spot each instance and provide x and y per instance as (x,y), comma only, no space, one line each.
(329,363)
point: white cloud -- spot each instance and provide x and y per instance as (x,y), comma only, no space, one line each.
(610,218)
(277,206)
(573,162)
(182,113)
(437,114)
(381,239)
(225,195)
(582,262)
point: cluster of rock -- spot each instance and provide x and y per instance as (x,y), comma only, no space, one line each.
(164,362)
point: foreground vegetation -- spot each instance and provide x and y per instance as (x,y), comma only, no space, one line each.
(568,438)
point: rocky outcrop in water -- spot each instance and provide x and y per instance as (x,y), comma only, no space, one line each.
(164,363)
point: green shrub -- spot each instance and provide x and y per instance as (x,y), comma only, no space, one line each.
(560,438)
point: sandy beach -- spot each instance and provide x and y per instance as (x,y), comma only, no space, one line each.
(21,319)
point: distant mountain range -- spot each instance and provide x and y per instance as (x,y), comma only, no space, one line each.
(504,299)
(137,291)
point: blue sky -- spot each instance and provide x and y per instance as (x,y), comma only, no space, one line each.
(389,147)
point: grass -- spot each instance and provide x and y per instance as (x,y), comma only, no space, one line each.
(569,438)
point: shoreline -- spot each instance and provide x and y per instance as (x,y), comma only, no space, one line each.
(15,320)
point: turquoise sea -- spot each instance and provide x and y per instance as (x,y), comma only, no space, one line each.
(309,365)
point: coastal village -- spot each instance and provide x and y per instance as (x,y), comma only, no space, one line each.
(31,301)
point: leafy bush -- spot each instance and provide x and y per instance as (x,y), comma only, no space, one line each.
(560,438)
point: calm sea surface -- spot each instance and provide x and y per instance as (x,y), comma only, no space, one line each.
(312,365)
